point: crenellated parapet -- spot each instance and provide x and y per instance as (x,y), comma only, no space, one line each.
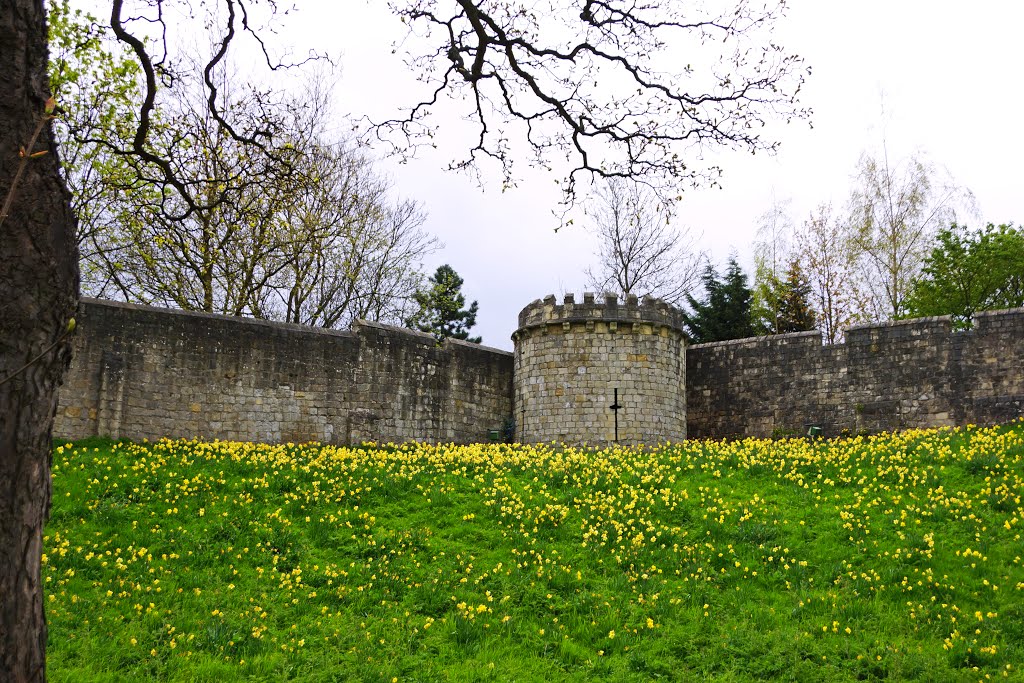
(601,314)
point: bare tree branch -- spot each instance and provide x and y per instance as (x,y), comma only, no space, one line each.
(257,125)
(639,250)
(588,87)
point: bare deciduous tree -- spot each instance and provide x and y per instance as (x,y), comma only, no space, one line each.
(823,252)
(895,210)
(639,250)
(350,250)
(213,256)
(319,243)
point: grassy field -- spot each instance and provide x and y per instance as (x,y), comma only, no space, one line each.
(895,557)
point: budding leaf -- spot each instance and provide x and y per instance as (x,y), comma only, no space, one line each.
(50,105)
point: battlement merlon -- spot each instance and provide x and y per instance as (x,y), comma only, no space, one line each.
(607,308)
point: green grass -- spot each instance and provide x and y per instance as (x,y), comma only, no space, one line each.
(895,557)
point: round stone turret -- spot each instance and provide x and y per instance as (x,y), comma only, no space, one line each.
(600,371)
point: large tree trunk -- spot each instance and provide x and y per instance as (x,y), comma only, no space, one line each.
(38,296)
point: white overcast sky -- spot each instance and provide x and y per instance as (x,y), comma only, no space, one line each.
(950,76)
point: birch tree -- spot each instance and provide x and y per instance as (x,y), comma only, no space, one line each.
(895,210)
(771,254)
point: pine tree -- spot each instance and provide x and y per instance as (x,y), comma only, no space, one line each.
(794,306)
(724,313)
(442,311)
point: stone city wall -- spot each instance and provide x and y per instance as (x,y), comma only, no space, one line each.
(142,372)
(571,357)
(914,373)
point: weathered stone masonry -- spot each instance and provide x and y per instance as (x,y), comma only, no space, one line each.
(571,357)
(141,372)
(914,373)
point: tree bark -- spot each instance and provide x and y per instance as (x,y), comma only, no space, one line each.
(38,296)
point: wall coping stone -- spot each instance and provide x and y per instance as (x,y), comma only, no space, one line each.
(900,323)
(256,322)
(757,340)
(1001,312)
(427,337)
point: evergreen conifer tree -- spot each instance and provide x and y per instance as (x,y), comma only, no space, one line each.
(794,305)
(442,310)
(724,312)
